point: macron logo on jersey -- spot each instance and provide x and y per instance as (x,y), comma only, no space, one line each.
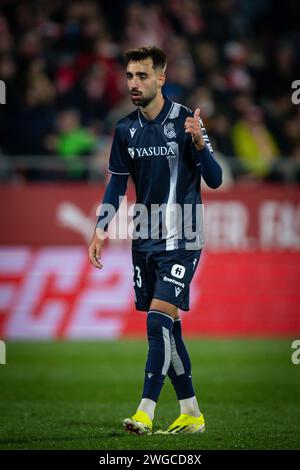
(132,131)
(152,151)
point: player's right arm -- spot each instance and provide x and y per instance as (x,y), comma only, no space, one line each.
(114,192)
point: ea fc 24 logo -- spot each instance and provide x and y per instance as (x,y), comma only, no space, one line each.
(2,92)
(2,352)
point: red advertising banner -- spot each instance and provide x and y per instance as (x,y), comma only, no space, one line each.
(246,217)
(54,292)
(247,282)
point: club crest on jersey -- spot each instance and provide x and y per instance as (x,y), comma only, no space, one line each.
(169,130)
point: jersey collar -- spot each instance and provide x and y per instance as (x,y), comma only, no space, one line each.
(161,117)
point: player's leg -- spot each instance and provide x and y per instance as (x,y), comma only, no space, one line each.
(180,372)
(159,327)
(173,285)
(160,320)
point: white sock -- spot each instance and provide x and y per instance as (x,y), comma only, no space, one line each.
(148,406)
(189,406)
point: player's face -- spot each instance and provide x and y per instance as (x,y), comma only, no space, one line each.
(144,81)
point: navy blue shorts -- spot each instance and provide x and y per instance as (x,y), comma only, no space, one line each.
(164,275)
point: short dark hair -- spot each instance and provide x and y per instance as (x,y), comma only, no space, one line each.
(158,56)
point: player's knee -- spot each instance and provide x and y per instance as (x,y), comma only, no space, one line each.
(156,322)
(153,326)
(165,307)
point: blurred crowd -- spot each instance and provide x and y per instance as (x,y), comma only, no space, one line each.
(65,82)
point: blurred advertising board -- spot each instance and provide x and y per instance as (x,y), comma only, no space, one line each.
(247,283)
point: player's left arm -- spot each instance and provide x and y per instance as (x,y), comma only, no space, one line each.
(210,168)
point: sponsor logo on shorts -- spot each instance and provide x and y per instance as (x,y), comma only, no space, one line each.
(178,271)
(173,281)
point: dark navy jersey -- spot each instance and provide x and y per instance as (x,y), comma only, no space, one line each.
(166,170)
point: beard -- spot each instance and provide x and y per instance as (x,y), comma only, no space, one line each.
(143,101)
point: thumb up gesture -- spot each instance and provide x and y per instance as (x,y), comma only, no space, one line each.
(192,126)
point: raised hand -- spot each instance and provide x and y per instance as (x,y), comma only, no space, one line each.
(192,126)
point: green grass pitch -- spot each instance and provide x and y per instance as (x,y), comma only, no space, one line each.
(74,395)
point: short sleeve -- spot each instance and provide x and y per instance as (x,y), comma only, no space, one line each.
(118,163)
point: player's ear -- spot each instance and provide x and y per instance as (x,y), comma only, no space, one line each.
(162,79)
